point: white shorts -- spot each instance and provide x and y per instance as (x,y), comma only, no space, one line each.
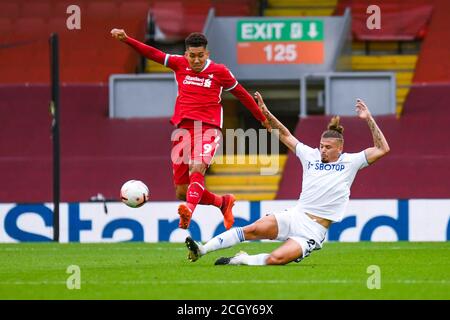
(296,225)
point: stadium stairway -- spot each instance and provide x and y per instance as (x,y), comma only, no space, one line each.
(243,176)
(279,8)
(417,165)
(402,65)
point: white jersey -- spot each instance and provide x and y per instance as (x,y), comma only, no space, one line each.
(326,186)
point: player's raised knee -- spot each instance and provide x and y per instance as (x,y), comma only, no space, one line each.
(180,193)
(250,232)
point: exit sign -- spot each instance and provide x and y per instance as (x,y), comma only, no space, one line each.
(280,41)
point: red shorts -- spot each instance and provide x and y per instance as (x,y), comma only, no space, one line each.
(192,145)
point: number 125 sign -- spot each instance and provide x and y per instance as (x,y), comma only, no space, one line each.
(280,42)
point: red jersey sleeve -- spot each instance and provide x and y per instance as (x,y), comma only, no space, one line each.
(169,60)
(147,51)
(248,101)
(227,79)
(174,61)
(229,83)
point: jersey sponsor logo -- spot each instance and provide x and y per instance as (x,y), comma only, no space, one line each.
(196,81)
(319,166)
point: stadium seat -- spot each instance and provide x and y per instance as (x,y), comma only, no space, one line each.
(30,27)
(6,27)
(59,8)
(36,9)
(57,25)
(133,9)
(237,8)
(300,8)
(10,10)
(396,25)
(102,10)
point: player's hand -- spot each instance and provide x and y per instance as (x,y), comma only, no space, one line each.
(362,110)
(118,34)
(264,110)
(261,103)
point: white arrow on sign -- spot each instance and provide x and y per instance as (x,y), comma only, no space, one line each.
(312,33)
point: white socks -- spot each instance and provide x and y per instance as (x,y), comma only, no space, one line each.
(254,260)
(228,239)
(224,240)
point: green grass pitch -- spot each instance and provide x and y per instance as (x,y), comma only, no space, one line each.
(161,271)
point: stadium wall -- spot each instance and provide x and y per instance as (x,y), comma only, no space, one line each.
(417,165)
(365,220)
(98,154)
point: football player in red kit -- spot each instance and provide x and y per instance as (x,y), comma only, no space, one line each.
(198,113)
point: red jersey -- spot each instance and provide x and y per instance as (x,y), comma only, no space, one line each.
(199,94)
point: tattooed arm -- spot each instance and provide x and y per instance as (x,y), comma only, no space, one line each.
(381,146)
(276,127)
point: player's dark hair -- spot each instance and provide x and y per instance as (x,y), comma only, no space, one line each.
(196,39)
(335,130)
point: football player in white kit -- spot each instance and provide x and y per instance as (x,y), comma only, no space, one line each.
(328,174)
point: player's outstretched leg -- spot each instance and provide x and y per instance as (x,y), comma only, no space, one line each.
(194,249)
(227,206)
(224,240)
(242,258)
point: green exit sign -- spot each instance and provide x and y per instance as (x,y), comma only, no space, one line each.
(279,30)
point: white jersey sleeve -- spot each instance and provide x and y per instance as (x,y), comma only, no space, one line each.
(302,151)
(358,160)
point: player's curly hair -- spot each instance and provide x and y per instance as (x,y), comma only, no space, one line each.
(335,130)
(196,39)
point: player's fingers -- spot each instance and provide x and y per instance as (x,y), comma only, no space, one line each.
(259,98)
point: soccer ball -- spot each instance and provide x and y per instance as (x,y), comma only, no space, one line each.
(134,193)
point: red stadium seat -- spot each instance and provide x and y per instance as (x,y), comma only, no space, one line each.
(81,51)
(57,25)
(59,8)
(236,8)
(133,9)
(41,9)
(30,27)
(102,9)
(10,10)
(6,26)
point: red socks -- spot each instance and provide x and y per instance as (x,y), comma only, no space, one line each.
(211,198)
(196,193)
(195,190)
